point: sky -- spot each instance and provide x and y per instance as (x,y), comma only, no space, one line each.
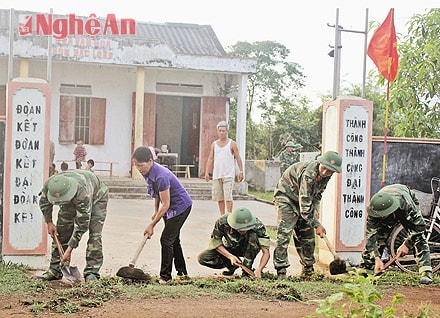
(303,29)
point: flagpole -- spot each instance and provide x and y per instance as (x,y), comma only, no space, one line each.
(385,130)
(387,100)
(383,51)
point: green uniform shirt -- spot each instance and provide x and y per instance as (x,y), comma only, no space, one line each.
(408,214)
(90,190)
(288,159)
(299,183)
(224,234)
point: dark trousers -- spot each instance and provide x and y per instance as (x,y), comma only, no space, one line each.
(171,248)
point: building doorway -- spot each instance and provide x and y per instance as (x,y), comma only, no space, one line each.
(178,127)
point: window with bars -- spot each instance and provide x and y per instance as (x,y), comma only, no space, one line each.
(82,118)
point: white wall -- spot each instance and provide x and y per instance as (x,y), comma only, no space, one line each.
(116,84)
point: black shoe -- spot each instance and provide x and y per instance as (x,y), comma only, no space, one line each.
(182,276)
(230,271)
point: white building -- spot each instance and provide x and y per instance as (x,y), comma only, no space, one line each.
(118,83)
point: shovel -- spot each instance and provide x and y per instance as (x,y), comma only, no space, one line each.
(131,272)
(337,266)
(247,270)
(71,273)
(387,264)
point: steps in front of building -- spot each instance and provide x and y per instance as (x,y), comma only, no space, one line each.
(127,188)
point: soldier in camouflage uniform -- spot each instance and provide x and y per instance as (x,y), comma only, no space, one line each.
(82,199)
(395,204)
(289,155)
(238,234)
(297,197)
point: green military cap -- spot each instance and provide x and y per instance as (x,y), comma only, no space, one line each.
(297,146)
(331,160)
(241,219)
(382,204)
(290,144)
(61,189)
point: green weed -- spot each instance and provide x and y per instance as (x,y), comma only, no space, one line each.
(358,297)
(359,293)
(13,278)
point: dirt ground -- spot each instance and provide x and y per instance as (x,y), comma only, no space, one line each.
(415,298)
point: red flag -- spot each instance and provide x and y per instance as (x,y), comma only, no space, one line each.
(383,48)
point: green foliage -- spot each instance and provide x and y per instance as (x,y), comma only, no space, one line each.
(415,94)
(413,109)
(273,91)
(356,299)
(295,121)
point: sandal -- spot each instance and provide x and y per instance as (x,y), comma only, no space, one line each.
(162,281)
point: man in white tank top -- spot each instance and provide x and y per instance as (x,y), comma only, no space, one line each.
(221,162)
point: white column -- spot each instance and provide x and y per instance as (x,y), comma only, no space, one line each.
(241,127)
(24,68)
(241,116)
(139,111)
(138,115)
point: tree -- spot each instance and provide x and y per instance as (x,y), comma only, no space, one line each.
(296,122)
(415,94)
(276,79)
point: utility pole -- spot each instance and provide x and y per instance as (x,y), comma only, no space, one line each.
(336,54)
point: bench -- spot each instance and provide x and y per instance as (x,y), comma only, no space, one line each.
(182,170)
(106,166)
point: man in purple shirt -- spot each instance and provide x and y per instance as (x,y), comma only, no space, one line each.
(172,203)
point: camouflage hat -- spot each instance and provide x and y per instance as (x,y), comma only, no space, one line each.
(61,189)
(290,144)
(382,204)
(297,146)
(331,160)
(241,219)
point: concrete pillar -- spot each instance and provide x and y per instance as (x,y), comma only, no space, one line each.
(25,171)
(347,129)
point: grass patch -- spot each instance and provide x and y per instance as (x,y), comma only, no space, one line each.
(13,278)
(266,196)
(56,297)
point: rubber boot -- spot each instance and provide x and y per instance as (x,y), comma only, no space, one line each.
(230,271)
(282,273)
(426,278)
(307,272)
